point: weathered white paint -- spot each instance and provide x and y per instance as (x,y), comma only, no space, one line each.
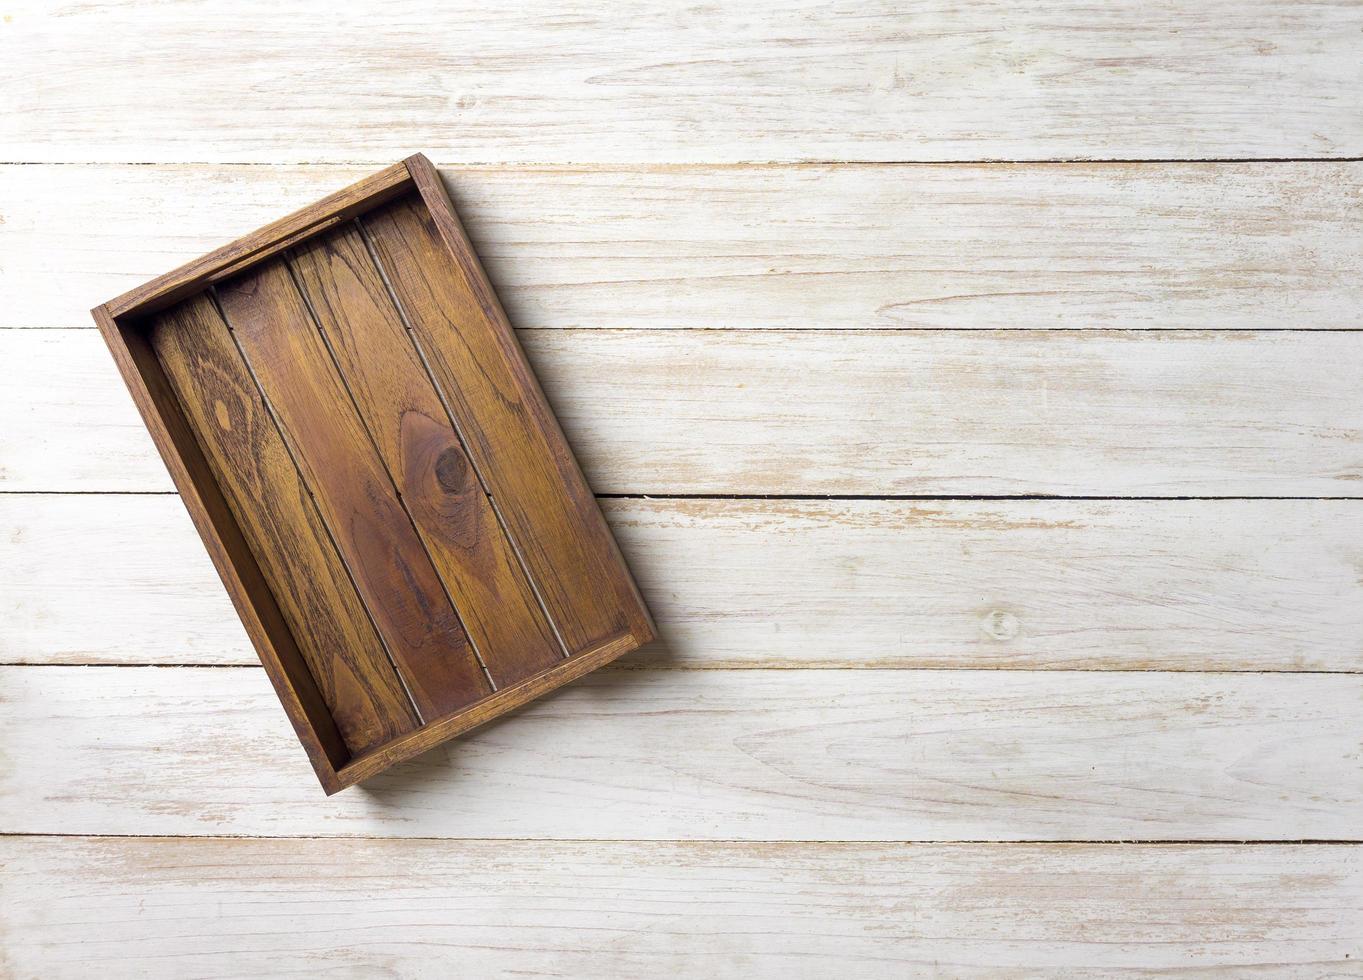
(770,80)
(712,754)
(623,240)
(358,909)
(1259,245)
(775,412)
(1185,585)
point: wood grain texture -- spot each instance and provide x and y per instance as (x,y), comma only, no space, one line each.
(1070,413)
(509,430)
(713,754)
(1184,246)
(1170,585)
(365,908)
(422,452)
(276,514)
(778,80)
(373,533)
(622,194)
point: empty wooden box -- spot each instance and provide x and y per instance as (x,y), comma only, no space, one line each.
(369,459)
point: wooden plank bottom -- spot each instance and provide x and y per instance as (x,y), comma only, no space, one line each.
(713,754)
(1236,245)
(171,908)
(1094,584)
(1069,413)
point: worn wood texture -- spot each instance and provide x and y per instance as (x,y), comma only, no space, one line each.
(421,450)
(374,535)
(276,514)
(248,908)
(511,434)
(1171,585)
(969,412)
(714,754)
(1230,246)
(778,80)
(597,180)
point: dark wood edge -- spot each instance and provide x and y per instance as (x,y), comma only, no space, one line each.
(494,705)
(287,231)
(437,201)
(231,556)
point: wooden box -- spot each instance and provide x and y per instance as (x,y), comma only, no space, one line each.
(376,474)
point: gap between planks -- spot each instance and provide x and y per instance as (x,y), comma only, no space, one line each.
(656,166)
(619,666)
(814,497)
(726,842)
(870,330)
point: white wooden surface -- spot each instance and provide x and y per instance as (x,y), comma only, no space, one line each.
(1168,246)
(716,755)
(679,82)
(1065,681)
(366,908)
(1105,413)
(1088,584)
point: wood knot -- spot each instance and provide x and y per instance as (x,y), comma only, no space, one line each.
(451,470)
(1001,626)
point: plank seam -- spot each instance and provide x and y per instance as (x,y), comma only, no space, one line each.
(621,667)
(777,497)
(872,331)
(1075,161)
(1236,332)
(731,841)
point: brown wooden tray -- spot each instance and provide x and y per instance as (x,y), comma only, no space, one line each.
(371,463)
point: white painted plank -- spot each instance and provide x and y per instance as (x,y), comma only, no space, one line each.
(1129,246)
(713,754)
(175,908)
(143,578)
(774,80)
(1183,585)
(821,412)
